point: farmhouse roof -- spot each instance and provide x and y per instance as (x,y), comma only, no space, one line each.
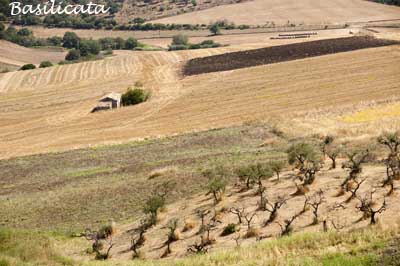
(113,95)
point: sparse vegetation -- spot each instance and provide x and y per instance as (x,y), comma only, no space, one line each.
(254,174)
(392,161)
(229,229)
(216,187)
(277,167)
(366,206)
(354,164)
(152,207)
(273,209)
(306,160)
(286,227)
(214,29)
(102,241)
(138,239)
(315,202)
(333,153)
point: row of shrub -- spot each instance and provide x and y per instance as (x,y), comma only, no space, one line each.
(93,22)
(160,26)
(25,37)
(181,42)
(43,64)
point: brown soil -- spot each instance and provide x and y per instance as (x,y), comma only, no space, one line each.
(280,53)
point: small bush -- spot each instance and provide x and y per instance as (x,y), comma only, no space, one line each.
(152,206)
(131,43)
(229,229)
(252,232)
(180,39)
(28,67)
(215,29)
(45,64)
(134,96)
(177,47)
(216,186)
(107,230)
(73,55)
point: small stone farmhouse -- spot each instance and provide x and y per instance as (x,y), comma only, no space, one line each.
(109,101)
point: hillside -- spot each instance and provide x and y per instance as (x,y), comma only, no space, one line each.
(17,55)
(279,147)
(150,10)
(178,105)
(63,193)
(259,12)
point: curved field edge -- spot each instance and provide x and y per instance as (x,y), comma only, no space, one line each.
(367,246)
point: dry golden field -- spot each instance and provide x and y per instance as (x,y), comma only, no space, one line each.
(258,12)
(16,55)
(49,109)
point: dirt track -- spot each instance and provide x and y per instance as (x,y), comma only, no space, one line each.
(280,53)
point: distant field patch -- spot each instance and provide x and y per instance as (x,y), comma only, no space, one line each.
(373,114)
(282,53)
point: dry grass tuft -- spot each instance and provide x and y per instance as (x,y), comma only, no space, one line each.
(189,225)
(165,171)
(252,232)
(301,190)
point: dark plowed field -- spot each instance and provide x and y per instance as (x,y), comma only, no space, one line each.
(280,53)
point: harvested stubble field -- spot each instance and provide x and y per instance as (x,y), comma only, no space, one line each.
(179,105)
(16,55)
(259,12)
(277,54)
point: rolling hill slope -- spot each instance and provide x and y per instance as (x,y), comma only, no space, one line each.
(258,12)
(17,55)
(48,109)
